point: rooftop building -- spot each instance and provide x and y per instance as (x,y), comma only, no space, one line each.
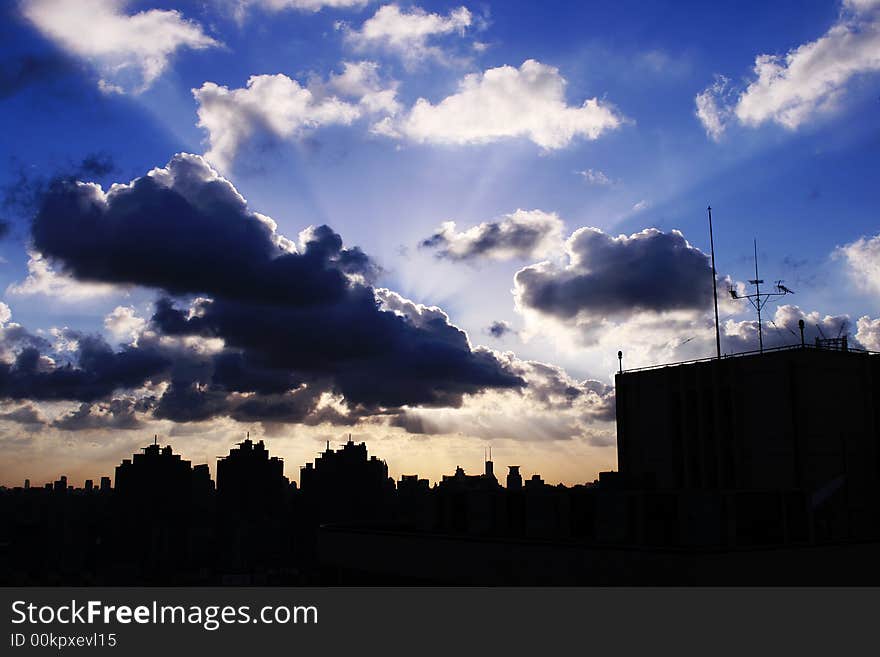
(805,420)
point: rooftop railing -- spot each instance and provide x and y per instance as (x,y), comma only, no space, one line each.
(755,352)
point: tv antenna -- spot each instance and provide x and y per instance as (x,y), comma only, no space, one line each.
(759,299)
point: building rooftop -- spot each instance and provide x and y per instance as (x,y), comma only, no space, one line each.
(807,347)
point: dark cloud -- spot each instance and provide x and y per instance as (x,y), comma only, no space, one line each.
(521,234)
(24,194)
(94,371)
(185,230)
(647,271)
(499,329)
(373,357)
(415,424)
(115,414)
(26,414)
(294,324)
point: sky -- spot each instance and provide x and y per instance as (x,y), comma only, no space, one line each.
(430,226)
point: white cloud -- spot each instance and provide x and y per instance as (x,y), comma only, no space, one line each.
(863,262)
(806,82)
(712,109)
(43,279)
(305,5)
(129,50)
(278,107)
(408,33)
(123,323)
(361,80)
(868,332)
(504,103)
(639,205)
(595,177)
(420,315)
(783,329)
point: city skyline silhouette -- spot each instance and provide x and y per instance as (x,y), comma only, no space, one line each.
(335,291)
(704,469)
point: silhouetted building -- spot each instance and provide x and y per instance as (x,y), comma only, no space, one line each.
(776,445)
(252,494)
(470,504)
(161,527)
(157,477)
(347,485)
(415,503)
(249,480)
(514,478)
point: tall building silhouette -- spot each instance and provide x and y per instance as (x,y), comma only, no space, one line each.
(249,480)
(347,485)
(161,515)
(786,442)
(155,478)
(252,522)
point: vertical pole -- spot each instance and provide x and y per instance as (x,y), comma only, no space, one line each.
(714,286)
(758,299)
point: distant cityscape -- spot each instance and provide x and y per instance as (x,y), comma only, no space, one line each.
(746,469)
(163,517)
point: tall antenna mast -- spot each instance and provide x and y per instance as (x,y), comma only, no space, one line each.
(757,283)
(714,286)
(759,299)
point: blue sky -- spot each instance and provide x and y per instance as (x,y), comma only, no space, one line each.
(618,116)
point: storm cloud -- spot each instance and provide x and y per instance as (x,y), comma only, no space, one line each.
(93,371)
(605,275)
(282,325)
